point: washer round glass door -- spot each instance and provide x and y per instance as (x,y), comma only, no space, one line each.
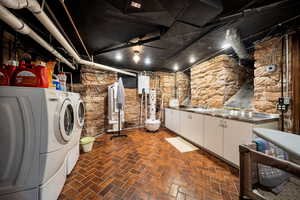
(80,113)
(66,120)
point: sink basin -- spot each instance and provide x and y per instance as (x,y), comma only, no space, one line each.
(257,115)
(240,114)
(203,110)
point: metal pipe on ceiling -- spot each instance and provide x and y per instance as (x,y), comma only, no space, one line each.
(287,64)
(53,16)
(75,28)
(23,28)
(35,8)
(233,38)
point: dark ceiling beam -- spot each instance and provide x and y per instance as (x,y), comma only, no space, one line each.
(209,30)
(261,32)
(129,44)
(154,47)
(245,12)
(75,28)
(249,4)
(59,25)
(226,21)
(130,18)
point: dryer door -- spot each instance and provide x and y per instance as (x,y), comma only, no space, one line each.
(67,120)
(80,113)
(19,143)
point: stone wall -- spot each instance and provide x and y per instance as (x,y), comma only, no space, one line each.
(8,52)
(132,108)
(213,82)
(165,84)
(93,89)
(183,86)
(267,85)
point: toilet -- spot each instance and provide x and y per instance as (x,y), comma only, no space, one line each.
(152,125)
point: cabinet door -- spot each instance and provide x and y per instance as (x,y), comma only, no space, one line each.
(168,118)
(176,121)
(185,125)
(213,138)
(235,133)
(196,127)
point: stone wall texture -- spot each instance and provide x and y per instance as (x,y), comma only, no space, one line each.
(213,82)
(93,90)
(267,85)
(183,86)
(8,52)
(165,86)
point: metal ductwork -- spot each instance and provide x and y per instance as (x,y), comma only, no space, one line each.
(23,28)
(233,38)
(35,8)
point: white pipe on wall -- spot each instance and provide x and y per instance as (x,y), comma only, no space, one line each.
(38,12)
(15,4)
(287,64)
(23,28)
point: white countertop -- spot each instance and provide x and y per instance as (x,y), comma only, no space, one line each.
(287,141)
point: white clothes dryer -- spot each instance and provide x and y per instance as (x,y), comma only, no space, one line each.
(73,154)
(37,125)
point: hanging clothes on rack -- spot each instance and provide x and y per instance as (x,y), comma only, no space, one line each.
(113,111)
(120,101)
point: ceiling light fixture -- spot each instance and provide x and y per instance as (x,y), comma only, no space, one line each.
(136,57)
(226,45)
(147,61)
(119,56)
(192,59)
(135,4)
(175,67)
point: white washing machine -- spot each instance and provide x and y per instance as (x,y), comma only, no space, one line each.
(36,127)
(79,110)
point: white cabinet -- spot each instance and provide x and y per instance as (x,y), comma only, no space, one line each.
(185,124)
(168,119)
(197,129)
(235,134)
(176,121)
(192,127)
(218,135)
(214,134)
(172,120)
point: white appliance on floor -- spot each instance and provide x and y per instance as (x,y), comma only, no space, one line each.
(152,124)
(74,146)
(36,127)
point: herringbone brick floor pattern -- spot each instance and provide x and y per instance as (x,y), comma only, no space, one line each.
(146,166)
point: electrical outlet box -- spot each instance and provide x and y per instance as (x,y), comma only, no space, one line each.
(286,100)
(271,68)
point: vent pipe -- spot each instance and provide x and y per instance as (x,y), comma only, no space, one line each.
(23,28)
(233,38)
(35,8)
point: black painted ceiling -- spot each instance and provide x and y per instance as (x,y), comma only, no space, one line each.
(186,27)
